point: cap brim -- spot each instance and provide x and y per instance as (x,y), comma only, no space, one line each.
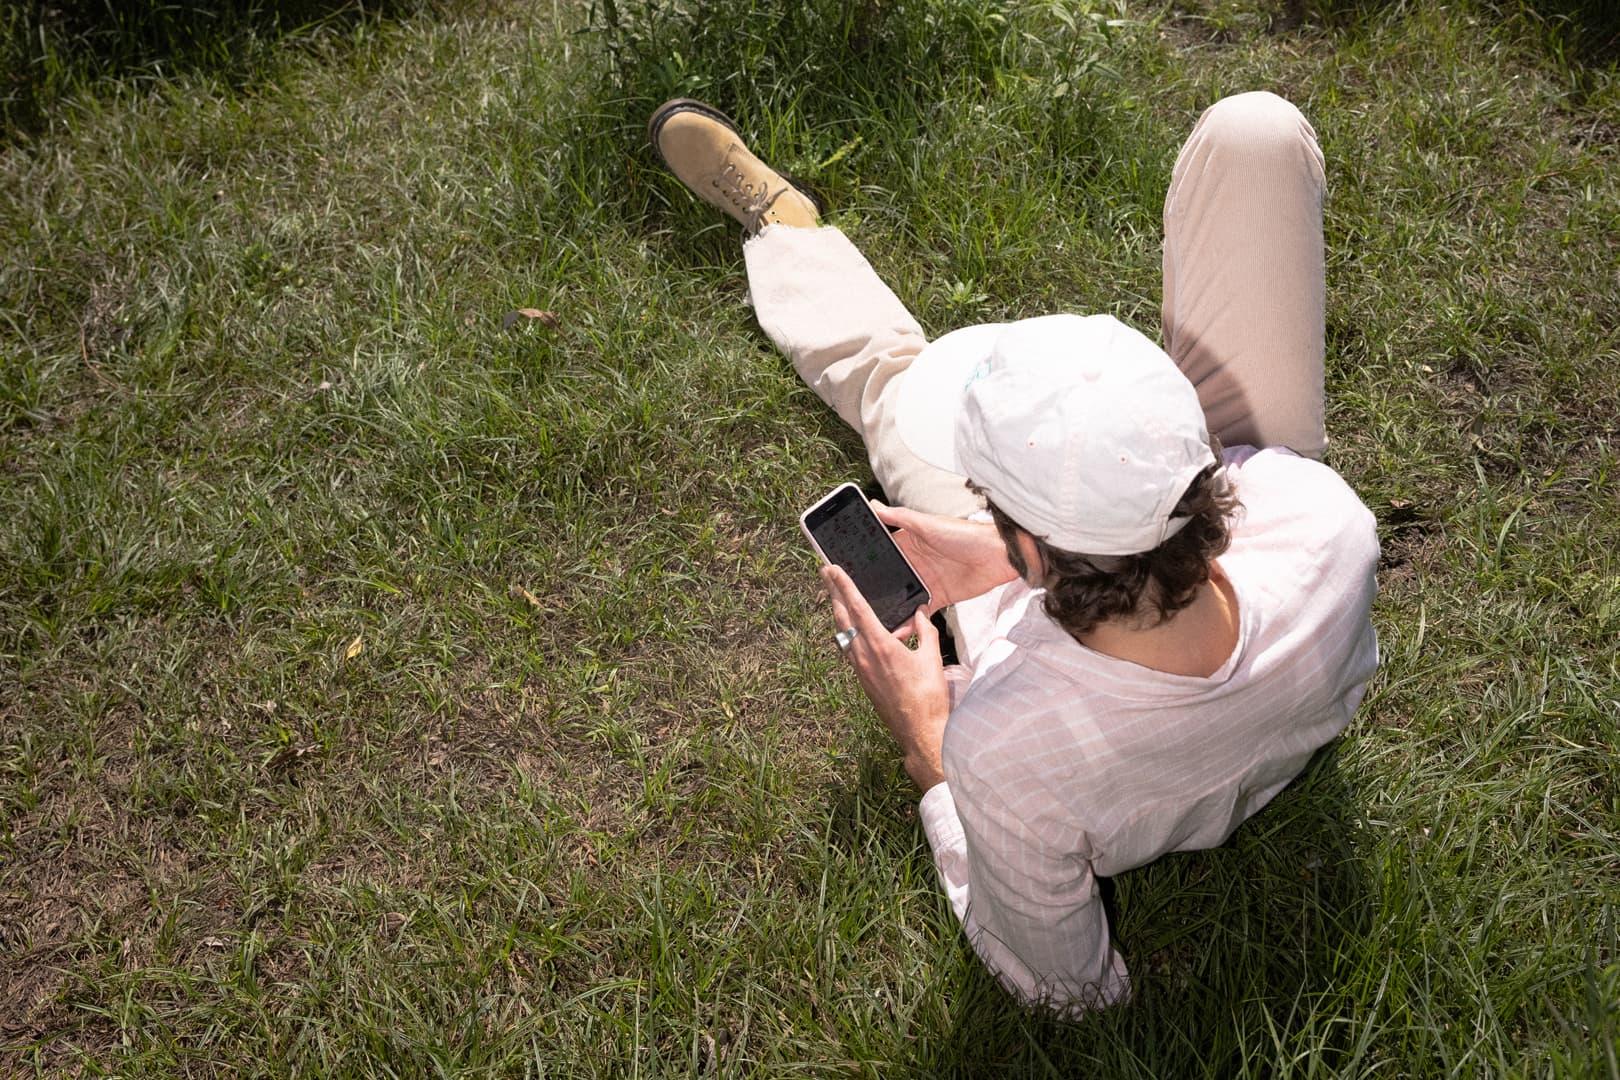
(930,392)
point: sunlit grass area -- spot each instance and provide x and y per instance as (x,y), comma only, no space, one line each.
(392,686)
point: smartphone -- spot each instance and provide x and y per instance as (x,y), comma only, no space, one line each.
(845,531)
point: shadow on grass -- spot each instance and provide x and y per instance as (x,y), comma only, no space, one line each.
(1587,32)
(50,48)
(1233,951)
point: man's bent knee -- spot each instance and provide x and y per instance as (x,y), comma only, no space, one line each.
(1257,123)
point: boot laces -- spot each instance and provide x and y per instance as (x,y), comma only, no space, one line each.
(754,203)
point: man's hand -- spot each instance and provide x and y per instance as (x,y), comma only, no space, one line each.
(906,686)
(957,559)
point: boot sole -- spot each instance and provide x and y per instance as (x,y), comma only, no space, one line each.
(668,109)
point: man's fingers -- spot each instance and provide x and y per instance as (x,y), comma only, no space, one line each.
(849,606)
(840,609)
(854,606)
(860,612)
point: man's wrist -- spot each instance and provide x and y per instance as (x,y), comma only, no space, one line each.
(925,770)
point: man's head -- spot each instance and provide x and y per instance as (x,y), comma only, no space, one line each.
(1143,589)
(1082,433)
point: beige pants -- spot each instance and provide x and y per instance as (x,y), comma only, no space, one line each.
(1243,300)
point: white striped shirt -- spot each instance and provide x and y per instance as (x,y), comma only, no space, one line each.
(1063,763)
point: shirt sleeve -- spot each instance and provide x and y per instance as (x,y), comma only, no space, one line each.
(1033,915)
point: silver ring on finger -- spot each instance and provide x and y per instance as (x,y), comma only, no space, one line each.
(846,637)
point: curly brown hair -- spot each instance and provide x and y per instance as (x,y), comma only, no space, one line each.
(1085,590)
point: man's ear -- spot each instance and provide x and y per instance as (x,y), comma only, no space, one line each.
(1029,563)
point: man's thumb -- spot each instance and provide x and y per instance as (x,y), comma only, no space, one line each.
(889,515)
(923,626)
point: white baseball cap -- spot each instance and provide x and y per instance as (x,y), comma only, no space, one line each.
(1080,428)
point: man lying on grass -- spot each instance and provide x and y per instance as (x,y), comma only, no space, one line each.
(1156,633)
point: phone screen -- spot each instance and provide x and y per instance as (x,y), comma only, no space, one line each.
(850,535)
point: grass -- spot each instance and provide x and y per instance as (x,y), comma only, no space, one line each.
(50,51)
(387,690)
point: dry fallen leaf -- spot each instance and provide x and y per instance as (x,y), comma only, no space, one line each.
(356,647)
(212,942)
(520,591)
(548,319)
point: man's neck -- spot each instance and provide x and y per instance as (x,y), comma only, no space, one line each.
(1196,640)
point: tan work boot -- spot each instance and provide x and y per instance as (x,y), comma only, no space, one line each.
(701,146)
